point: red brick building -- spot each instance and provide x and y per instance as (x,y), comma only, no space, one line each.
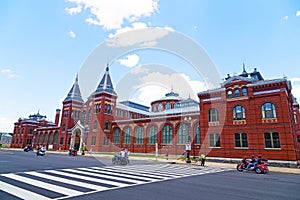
(246,115)
(250,115)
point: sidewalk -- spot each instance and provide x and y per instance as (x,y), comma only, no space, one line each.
(214,164)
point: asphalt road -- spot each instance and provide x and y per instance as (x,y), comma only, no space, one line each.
(19,161)
(229,185)
(211,184)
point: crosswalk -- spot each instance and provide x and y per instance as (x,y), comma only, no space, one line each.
(64,183)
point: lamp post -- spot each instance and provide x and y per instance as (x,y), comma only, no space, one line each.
(188,146)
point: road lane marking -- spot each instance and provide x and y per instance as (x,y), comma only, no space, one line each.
(20,192)
(41,184)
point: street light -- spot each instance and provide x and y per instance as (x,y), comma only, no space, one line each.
(188,146)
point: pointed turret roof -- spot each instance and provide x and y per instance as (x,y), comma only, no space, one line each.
(106,84)
(74,94)
(244,73)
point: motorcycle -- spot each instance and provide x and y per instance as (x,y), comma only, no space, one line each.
(120,160)
(27,149)
(41,152)
(259,168)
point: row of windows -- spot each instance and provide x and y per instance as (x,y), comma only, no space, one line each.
(167,135)
(271,140)
(105,141)
(160,107)
(45,139)
(30,131)
(268,110)
(237,93)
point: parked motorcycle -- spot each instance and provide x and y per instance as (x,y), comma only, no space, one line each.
(120,160)
(259,168)
(41,151)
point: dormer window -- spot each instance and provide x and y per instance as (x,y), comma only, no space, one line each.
(229,94)
(160,107)
(244,92)
(237,93)
(168,106)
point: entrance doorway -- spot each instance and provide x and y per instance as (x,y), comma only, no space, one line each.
(77,141)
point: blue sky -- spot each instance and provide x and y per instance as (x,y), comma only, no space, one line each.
(43,45)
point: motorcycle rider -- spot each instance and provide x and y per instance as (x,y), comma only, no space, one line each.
(252,162)
(245,161)
(259,159)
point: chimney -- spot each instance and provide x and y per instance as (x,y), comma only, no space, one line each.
(57,115)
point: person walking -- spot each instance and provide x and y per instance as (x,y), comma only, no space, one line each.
(203,158)
(167,154)
(83,149)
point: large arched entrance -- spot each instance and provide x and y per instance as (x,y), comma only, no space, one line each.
(77,137)
(77,140)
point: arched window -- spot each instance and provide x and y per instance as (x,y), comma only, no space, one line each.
(238,113)
(51,138)
(160,107)
(61,140)
(97,108)
(127,136)
(63,127)
(154,108)
(244,92)
(183,134)
(167,135)
(197,135)
(117,135)
(83,117)
(105,108)
(109,109)
(152,135)
(95,125)
(237,93)
(268,110)
(46,138)
(107,125)
(213,115)
(168,106)
(139,135)
(55,137)
(89,118)
(229,94)
(41,138)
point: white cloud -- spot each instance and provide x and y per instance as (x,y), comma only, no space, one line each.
(5,71)
(195,28)
(285,17)
(74,10)
(148,93)
(156,85)
(135,26)
(298,13)
(139,70)
(130,60)
(72,34)
(146,37)
(111,14)
(9,73)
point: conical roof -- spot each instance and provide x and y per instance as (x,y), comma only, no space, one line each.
(105,84)
(74,94)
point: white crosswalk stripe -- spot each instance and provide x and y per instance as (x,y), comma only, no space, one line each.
(64,183)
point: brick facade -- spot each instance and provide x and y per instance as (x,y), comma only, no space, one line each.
(222,124)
